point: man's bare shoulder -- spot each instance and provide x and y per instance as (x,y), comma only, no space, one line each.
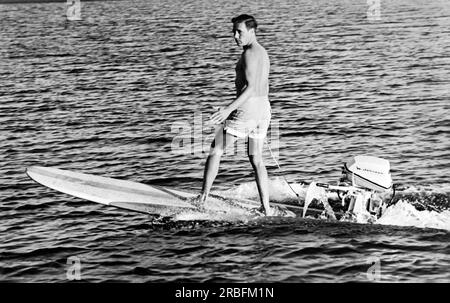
(257,52)
(262,50)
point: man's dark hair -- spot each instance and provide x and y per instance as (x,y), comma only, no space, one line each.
(249,21)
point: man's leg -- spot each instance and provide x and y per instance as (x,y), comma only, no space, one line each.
(218,146)
(255,151)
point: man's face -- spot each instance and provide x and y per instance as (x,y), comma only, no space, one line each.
(241,34)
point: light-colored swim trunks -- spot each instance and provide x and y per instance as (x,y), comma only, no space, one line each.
(251,119)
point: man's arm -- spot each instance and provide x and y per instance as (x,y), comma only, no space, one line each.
(250,70)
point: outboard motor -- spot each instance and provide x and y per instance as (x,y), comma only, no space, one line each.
(369,178)
(364,181)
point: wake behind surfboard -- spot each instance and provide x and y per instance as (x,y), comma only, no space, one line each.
(144,198)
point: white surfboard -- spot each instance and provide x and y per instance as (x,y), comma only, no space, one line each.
(149,199)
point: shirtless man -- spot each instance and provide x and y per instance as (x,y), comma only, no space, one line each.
(248,116)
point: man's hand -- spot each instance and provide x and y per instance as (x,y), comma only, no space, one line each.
(220,116)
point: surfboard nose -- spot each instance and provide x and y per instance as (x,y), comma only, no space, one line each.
(35,172)
(33,169)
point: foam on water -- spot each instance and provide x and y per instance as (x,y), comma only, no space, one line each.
(431,188)
(404,213)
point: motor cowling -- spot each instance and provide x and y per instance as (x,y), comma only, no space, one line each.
(368,172)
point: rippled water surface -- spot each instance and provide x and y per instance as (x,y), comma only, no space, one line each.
(108,95)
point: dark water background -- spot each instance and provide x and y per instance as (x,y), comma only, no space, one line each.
(107,95)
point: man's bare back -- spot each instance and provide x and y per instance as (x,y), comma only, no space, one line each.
(257,53)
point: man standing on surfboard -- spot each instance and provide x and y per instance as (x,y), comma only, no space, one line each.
(248,116)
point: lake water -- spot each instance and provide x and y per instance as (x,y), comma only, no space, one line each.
(115,93)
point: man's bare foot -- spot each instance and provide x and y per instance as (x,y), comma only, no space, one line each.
(270,212)
(274,211)
(198,202)
(265,212)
